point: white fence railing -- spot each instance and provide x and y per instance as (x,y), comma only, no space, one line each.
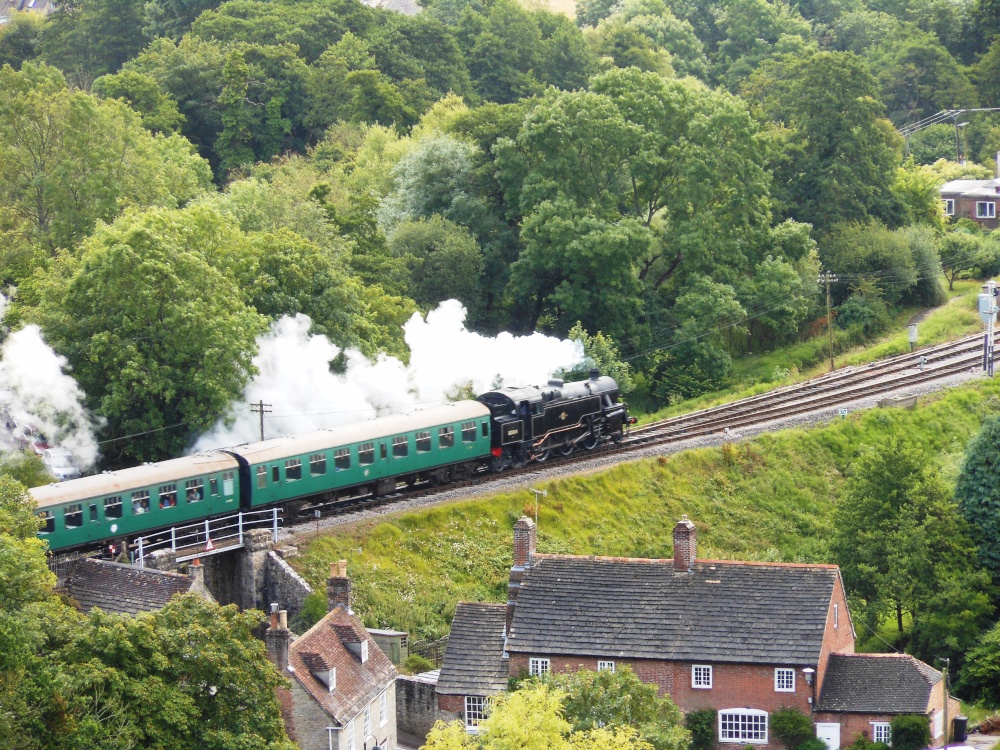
(208,537)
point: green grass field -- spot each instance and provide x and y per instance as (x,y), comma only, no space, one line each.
(760,373)
(766,499)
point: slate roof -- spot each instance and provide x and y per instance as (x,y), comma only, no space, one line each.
(322,648)
(877,684)
(473,661)
(122,589)
(964,186)
(765,613)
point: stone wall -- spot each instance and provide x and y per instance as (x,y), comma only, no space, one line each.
(283,585)
(416,705)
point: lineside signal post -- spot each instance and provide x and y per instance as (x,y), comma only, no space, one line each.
(988,316)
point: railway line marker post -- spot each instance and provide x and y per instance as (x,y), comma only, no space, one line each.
(828,277)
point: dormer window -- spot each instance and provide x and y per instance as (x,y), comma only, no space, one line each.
(320,669)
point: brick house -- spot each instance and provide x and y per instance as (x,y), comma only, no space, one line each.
(972,199)
(343,689)
(745,639)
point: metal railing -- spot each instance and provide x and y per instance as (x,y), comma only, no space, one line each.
(208,537)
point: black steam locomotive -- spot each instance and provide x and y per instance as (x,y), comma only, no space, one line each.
(530,423)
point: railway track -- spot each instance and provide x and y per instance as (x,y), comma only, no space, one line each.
(823,392)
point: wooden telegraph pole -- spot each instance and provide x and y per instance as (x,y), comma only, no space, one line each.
(262,409)
(828,277)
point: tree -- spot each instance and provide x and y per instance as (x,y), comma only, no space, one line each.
(504,53)
(980,677)
(872,251)
(600,352)
(960,252)
(443,259)
(24,572)
(141,92)
(903,547)
(792,727)
(158,339)
(978,493)
(916,188)
(19,38)
(93,38)
(753,30)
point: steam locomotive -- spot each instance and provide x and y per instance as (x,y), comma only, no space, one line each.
(501,429)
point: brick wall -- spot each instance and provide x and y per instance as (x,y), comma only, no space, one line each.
(966,208)
(416,705)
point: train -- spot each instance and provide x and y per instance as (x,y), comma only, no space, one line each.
(502,429)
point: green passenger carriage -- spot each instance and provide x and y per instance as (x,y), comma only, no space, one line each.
(434,445)
(133,501)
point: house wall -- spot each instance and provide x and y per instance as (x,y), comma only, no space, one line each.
(309,721)
(451,707)
(935,704)
(966,208)
(416,706)
(838,637)
(852,726)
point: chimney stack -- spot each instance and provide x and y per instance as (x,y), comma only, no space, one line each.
(525,536)
(338,587)
(277,638)
(685,545)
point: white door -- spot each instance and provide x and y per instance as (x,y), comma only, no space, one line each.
(830,734)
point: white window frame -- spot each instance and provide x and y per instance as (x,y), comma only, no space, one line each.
(938,724)
(537,667)
(949,206)
(785,672)
(701,676)
(986,209)
(476,710)
(881,731)
(741,715)
(368,720)
(836,616)
(606,666)
(350,735)
(383,710)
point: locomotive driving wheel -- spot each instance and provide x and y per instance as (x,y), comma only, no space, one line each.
(590,442)
(542,457)
(567,450)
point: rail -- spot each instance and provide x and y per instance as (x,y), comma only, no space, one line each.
(209,537)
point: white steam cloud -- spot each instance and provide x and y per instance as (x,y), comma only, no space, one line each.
(36,392)
(445,357)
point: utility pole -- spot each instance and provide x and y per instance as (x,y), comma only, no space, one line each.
(828,277)
(262,409)
(988,316)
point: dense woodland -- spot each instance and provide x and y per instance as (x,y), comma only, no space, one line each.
(173,176)
(675,175)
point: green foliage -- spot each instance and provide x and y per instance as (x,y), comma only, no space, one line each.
(815,743)
(415,664)
(601,352)
(25,467)
(792,727)
(19,38)
(156,336)
(910,732)
(24,573)
(980,677)
(978,493)
(91,39)
(875,252)
(141,92)
(701,724)
(620,699)
(866,311)
(314,608)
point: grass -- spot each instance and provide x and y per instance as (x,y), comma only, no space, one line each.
(753,374)
(767,499)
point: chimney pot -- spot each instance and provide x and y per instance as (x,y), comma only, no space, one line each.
(685,545)
(274,615)
(342,568)
(283,619)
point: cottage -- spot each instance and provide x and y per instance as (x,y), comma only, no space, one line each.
(742,638)
(342,694)
(972,199)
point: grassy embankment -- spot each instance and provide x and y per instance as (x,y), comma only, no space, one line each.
(766,499)
(755,374)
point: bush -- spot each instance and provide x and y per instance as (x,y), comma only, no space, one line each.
(910,732)
(701,724)
(815,743)
(792,727)
(415,664)
(867,312)
(861,743)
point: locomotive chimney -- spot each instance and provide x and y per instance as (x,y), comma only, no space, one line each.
(594,373)
(685,545)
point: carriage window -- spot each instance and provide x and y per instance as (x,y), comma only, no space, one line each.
(381,450)
(293,469)
(213,487)
(261,477)
(140,502)
(194,490)
(342,459)
(446,437)
(275,474)
(486,429)
(468,432)
(113,507)
(50,522)
(74,517)
(317,464)
(400,446)
(94,518)
(366,454)
(168,496)
(423,442)
(227,483)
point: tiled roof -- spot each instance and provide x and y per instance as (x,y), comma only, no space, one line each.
(357,684)
(877,684)
(769,613)
(122,589)
(473,661)
(347,633)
